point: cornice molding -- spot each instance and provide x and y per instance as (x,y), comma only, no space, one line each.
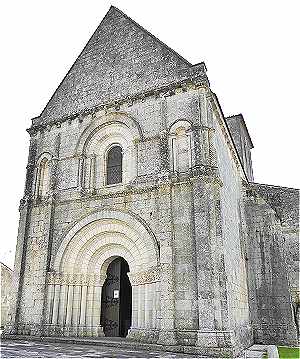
(199,80)
(209,174)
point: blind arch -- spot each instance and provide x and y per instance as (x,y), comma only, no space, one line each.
(43,177)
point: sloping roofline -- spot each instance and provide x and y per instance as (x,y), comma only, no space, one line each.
(81,52)
(151,35)
(6,266)
(244,125)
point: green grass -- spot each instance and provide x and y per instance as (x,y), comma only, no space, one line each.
(288,353)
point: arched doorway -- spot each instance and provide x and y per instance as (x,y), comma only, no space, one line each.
(116,301)
(75,283)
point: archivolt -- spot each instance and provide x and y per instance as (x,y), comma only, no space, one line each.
(119,119)
(103,235)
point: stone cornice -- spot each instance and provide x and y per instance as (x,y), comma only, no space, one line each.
(198,80)
(208,174)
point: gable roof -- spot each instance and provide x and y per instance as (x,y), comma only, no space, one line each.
(120,59)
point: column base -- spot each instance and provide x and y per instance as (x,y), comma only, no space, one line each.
(144,335)
(98,331)
(167,337)
(9,329)
(33,329)
(214,339)
(69,331)
(216,343)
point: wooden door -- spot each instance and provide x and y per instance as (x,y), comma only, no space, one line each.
(116,300)
(110,304)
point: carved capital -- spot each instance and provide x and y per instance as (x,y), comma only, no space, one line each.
(150,276)
(74,279)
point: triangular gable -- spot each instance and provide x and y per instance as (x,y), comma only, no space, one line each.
(121,59)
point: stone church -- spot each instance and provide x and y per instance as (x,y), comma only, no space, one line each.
(141,217)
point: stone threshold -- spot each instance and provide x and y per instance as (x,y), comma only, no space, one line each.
(257,351)
(124,343)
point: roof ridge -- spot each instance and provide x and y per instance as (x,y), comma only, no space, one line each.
(153,36)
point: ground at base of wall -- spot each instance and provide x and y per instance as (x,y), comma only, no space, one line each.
(34,349)
(124,344)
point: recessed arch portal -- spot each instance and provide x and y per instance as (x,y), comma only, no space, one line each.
(80,270)
(97,236)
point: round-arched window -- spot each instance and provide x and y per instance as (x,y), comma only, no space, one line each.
(43,178)
(114,165)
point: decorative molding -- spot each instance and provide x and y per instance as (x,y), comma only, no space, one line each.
(150,276)
(195,81)
(54,278)
(139,186)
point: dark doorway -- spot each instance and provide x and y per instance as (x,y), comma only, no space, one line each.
(116,300)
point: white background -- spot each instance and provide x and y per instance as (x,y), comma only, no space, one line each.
(251,50)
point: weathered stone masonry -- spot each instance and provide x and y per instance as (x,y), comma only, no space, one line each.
(206,247)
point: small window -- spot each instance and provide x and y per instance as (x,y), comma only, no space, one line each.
(114,165)
(43,178)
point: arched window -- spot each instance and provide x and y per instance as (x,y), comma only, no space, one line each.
(43,178)
(181,146)
(114,165)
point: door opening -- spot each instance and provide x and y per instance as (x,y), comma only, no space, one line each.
(116,300)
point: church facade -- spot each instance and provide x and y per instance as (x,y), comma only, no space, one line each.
(141,218)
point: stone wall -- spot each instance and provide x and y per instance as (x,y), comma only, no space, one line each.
(6,293)
(269,290)
(201,222)
(231,217)
(285,202)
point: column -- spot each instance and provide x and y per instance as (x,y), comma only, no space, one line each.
(76,308)
(83,309)
(69,308)
(206,145)
(50,298)
(154,307)
(97,311)
(134,317)
(141,306)
(212,150)
(81,173)
(167,300)
(157,306)
(92,172)
(89,309)
(147,307)
(62,305)
(203,123)
(56,303)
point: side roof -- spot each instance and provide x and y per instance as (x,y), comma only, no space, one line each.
(6,267)
(240,118)
(121,59)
